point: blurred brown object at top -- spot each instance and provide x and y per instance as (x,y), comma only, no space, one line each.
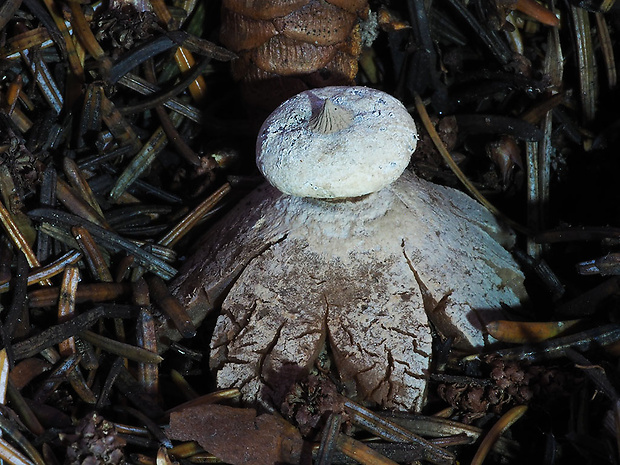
(287,46)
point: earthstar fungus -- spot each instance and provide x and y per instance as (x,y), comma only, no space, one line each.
(350,254)
(336,142)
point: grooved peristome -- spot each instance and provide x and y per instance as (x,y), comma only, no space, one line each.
(330,118)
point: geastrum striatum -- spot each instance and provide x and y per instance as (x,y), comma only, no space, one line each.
(348,254)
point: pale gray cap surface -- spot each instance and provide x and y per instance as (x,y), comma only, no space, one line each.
(366,150)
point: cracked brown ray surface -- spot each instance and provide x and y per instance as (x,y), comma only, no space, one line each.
(272,330)
(303,273)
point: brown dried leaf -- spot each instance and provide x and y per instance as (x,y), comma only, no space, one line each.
(236,435)
(317,23)
(528,331)
(285,56)
(340,71)
(240,32)
(27,370)
(359,7)
(263,9)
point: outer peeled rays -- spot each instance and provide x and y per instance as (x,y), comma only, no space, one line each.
(362,276)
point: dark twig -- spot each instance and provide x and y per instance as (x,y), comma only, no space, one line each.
(108,238)
(555,348)
(18,304)
(58,333)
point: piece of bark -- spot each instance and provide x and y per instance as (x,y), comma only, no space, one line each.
(237,436)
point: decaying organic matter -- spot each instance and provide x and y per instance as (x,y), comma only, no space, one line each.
(285,46)
(361,277)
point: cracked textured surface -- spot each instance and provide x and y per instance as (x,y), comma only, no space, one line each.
(363,277)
